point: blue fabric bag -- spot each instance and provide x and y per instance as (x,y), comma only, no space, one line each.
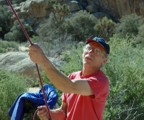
(16,110)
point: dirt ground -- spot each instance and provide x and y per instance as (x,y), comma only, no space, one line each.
(33,89)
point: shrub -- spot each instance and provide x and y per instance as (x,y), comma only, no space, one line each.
(11,85)
(129,25)
(105,28)
(126,74)
(6,46)
(16,33)
(80,25)
(52,28)
(5,20)
(73,59)
(139,39)
(58,7)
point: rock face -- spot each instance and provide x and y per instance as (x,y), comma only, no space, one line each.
(113,8)
(17,62)
(36,8)
(20,62)
(118,8)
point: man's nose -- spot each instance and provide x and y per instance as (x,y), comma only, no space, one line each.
(90,51)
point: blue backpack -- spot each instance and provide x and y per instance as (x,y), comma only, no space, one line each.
(26,101)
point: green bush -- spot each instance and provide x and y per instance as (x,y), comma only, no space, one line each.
(73,59)
(5,20)
(105,28)
(16,33)
(126,73)
(6,46)
(11,85)
(59,7)
(139,39)
(51,28)
(80,25)
(55,32)
(129,25)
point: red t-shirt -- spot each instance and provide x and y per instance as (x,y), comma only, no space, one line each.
(81,107)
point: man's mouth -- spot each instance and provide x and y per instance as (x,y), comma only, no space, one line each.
(88,58)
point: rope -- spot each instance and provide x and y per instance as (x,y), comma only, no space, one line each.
(28,38)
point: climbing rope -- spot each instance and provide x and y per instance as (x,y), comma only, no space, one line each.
(28,38)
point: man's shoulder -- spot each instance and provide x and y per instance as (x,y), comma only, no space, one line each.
(100,77)
(103,78)
(74,74)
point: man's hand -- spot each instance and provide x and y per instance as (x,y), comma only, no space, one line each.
(36,54)
(42,113)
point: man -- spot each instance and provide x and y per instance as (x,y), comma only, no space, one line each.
(84,92)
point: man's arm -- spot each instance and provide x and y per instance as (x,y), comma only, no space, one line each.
(57,114)
(59,80)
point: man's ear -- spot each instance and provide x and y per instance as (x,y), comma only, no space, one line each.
(105,60)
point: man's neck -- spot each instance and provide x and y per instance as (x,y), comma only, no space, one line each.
(88,71)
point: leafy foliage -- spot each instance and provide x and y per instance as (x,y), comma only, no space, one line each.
(16,34)
(52,28)
(6,46)
(126,81)
(81,25)
(73,59)
(105,28)
(11,85)
(5,20)
(58,7)
(139,39)
(129,25)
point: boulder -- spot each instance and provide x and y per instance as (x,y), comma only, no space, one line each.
(119,8)
(35,8)
(17,62)
(74,6)
(20,62)
(114,8)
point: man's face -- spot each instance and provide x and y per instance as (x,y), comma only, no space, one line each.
(94,55)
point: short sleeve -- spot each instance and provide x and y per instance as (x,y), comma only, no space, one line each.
(100,87)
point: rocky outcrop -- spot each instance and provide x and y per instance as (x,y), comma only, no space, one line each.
(36,8)
(113,8)
(17,62)
(119,8)
(20,62)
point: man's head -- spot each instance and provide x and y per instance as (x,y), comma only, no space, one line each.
(99,41)
(95,52)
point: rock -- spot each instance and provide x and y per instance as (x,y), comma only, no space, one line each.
(74,6)
(100,15)
(33,89)
(114,8)
(119,8)
(17,62)
(36,8)
(23,48)
(20,62)
(92,8)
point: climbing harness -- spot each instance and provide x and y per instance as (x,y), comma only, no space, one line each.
(28,38)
